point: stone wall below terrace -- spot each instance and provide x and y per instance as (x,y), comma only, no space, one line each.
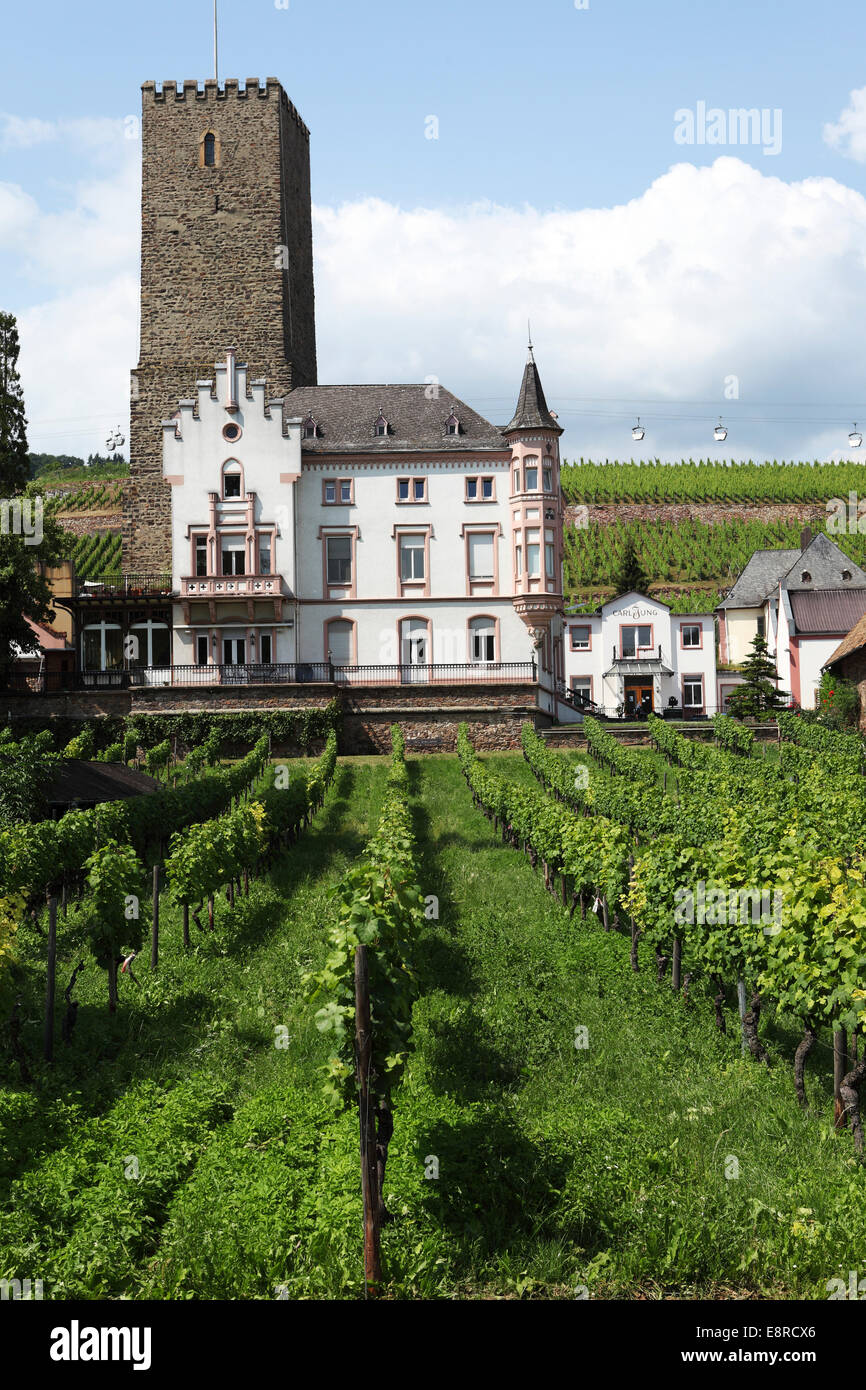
(428,715)
(434,731)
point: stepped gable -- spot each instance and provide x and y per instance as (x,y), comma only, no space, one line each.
(346,418)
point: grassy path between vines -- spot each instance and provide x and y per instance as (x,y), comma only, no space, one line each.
(606,1168)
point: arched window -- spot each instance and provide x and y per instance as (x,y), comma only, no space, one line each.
(210,149)
(805,577)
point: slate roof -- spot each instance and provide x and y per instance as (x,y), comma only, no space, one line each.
(76,780)
(760,577)
(532,411)
(852,643)
(824,561)
(347,417)
(826,611)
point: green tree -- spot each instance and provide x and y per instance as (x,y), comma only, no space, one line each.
(759,691)
(630,573)
(28,539)
(14,460)
(25,768)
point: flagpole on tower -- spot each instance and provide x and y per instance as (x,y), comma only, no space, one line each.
(215,57)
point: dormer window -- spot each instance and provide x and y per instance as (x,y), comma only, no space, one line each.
(805,577)
(381,427)
(452,424)
(846,574)
(311,428)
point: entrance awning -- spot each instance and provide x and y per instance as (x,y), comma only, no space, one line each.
(648,666)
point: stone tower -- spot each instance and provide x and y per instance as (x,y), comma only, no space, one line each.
(226,260)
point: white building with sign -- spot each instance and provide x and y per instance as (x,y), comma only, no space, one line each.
(634,655)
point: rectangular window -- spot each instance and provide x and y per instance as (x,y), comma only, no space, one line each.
(330,491)
(581,687)
(481,556)
(761,626)
(231,485)
(549,554)
(471,489)
(419,489)
(517,480)
(201,556)
(580,641)
(518,560)
(533,553)
(636,639)
(233,557)
(548,479)
(264,555)
(201,652)
(531,478)
(691,634)
(412,558)
(693,693)
(402,489)
(487,489)
(483,644)
(265,649)
(339,559)
(345,491)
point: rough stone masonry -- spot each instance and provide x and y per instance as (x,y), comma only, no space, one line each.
(214,273)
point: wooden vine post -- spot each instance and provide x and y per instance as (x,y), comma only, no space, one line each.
(367,1120)
(50,979)
(840,1067)
(154,935)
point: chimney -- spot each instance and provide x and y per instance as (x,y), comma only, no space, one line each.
(806,538)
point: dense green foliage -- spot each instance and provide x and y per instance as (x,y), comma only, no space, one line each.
(378,905)
(199,1160)
(710,481)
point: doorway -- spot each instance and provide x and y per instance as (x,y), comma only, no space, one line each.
(638,699)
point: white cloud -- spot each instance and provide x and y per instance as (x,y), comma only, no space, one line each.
(848,134)
(89,133)
(711,272)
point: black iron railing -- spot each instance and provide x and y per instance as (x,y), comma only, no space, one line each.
(277,673)
(112,586)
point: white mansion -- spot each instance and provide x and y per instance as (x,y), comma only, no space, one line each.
(343,529)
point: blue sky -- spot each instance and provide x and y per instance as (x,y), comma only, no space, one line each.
(661,277)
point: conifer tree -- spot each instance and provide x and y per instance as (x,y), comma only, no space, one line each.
(759,692)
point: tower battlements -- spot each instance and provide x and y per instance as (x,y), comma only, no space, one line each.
(211,91)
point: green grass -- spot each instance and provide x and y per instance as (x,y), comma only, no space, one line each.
(558,1167)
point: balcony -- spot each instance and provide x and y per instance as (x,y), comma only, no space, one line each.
(279,673)
(224,586)
(123,586)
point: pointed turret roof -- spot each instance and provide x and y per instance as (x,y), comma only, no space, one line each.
(532,412)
